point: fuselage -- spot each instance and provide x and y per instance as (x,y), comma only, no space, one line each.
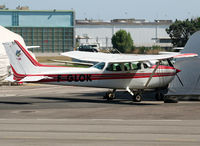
(117,74)
(104,77)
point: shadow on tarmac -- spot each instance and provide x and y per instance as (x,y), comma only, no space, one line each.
(121,95)
(122,98)
(102,101)
(17,103)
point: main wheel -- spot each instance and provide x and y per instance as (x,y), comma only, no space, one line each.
(137,97)
(171,99)
(109,96)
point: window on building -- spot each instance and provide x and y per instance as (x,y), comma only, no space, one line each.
(49,39)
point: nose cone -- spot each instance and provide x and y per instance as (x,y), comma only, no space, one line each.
(178,70)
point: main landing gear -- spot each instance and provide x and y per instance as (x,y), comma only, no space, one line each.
(110,95)
(136,96)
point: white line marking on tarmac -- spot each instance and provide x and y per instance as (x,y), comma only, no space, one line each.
(6,95)
(97,120)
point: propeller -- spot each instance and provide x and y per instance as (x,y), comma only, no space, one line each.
(170,64)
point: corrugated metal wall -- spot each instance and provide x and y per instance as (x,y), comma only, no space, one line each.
(53,31)
(142,35)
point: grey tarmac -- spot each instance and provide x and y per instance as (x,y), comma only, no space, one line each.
(63,115)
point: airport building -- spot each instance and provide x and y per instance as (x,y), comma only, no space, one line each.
(143,33)
(52,30)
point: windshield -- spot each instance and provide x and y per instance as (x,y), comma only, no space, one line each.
(99,65)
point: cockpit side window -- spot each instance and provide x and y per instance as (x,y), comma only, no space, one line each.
(136,65)
(164,62)
(114,67)
(127,66)
(145,65)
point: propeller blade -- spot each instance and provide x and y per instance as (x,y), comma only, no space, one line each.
(170,64)
(179,80)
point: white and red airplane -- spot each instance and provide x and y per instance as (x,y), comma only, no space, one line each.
(114,71)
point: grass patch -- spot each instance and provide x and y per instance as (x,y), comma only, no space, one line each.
(46,59)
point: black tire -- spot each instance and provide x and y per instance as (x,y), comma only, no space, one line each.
(109,96)
(159,96)
(137,98)
(170,99)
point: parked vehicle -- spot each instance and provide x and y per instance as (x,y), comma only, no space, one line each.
(89,48)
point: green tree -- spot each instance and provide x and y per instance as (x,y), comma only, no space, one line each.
(196,23)
(122,41)
(180,31)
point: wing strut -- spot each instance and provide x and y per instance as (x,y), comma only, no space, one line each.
(147,83)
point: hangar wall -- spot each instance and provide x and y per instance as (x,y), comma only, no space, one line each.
(53,30)
(190,70)
(143,33)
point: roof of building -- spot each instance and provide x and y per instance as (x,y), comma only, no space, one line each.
(9,10)
(123,22)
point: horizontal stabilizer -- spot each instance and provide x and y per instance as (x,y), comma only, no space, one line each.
(33,78)
(32,47)
(10,79)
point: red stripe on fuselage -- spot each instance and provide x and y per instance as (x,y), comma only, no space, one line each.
(163,67)
(63,77)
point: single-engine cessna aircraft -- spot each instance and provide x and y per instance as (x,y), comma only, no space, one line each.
(130,72)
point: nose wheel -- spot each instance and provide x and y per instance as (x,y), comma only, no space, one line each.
(137,97)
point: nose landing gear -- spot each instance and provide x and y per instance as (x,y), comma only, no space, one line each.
(137,97)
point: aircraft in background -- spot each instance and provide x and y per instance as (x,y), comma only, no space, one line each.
(134,73)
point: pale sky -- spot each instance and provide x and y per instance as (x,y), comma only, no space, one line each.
(113,9)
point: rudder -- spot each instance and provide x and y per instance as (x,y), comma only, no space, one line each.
(20,59)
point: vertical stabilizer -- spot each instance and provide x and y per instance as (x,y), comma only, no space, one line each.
(21,61)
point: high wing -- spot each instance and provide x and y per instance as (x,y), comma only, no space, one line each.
(185,55)
(105,57)
(178,54)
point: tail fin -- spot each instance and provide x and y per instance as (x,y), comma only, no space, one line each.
(20,59)
(25,67)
